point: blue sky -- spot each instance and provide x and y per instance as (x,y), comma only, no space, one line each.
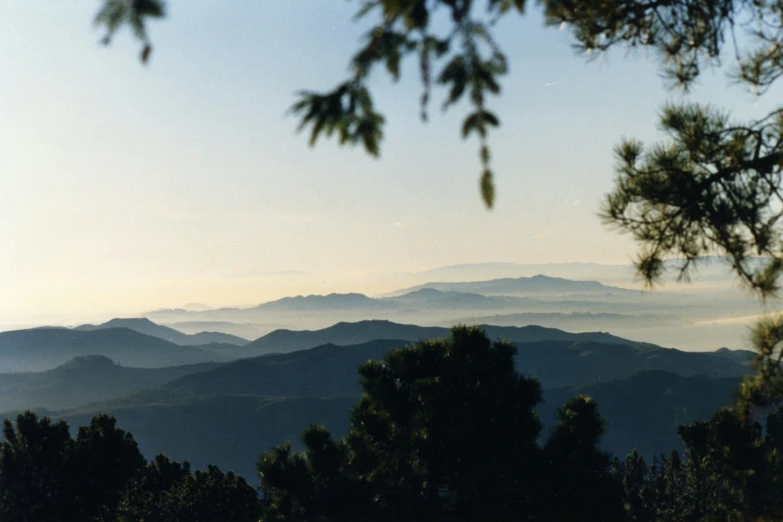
(126,187)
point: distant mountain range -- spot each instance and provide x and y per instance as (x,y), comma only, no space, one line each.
(45,348)
(574,320)
(147,327)
(324,302)
(330,370)
(485,295)
(246,406)
(343,333)
(523,285)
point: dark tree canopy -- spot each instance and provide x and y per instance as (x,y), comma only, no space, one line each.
(47,476)
(446,430)
(731,470)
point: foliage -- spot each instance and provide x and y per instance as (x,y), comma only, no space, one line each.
(732,471)
(45,475)
(708,156)
(445,430)
(114,14)
(578,479)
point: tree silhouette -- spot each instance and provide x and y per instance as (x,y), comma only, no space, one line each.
(581,486)
(446,430)
(45,475)
(34,478)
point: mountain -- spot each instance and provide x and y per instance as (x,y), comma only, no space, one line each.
(283,341)
(343,333)
(644,410)
(325,371)
(575,320)
(330,370)
(573,363)
(242,330)
(537,284)
(44,349)
(432,298)
(323,302)
(147,327)
(84,379)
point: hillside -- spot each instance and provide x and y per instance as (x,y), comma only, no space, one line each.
(331,369)
(644,410)
(85,379)
(147,327)
(327,370)
(44,349)
(343,333)
(569,363)
(229,431)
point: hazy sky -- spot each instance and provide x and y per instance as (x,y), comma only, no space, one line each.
(124,187)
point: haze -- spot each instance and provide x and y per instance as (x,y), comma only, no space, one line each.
(128,188)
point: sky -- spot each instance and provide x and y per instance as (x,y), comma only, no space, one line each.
(126,187)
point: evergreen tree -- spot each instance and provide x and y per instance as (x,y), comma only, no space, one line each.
(141,499)
(580,486)
(34,480)
(102,462)
(633,476)
(207,496)
(45,475)
(446,430)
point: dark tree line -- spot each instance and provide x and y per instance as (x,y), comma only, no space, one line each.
(100,476)
(446,430)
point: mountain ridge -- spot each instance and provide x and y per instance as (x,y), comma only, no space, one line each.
(147,327)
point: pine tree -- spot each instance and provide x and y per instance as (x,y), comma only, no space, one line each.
(580,486)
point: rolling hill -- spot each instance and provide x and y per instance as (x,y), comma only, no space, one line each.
(568,363)
(44,349)
(147,327)
(343,333)
(85,379)
(331,369)
(644,410)
(229,430)
(325,371)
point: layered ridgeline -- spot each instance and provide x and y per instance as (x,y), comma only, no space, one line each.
(40,349)
(147,327)
(85,379)
(242,407)
(344,333)
(694,318)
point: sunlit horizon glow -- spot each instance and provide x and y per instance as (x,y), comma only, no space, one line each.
(128,188)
